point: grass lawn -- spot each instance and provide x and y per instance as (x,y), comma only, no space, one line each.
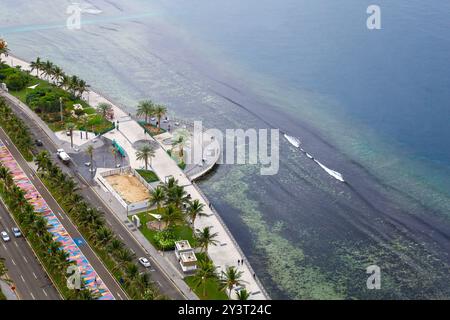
(213,291)
(182,232)
(148,175)
(2,296)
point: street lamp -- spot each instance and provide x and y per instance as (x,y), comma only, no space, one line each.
(61,108)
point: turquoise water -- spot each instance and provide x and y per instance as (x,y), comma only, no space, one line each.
(371,104)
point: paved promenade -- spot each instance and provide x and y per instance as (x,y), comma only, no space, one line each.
(227,252)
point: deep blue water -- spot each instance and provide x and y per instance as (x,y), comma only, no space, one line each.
(373,105)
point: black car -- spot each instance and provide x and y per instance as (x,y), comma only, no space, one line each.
(38,143)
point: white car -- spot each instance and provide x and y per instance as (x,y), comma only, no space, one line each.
(144,262)
(5,236)
(16,232)
(63,155)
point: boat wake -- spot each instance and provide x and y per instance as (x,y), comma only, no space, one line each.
(296,143)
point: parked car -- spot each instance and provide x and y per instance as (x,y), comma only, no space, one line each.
(16,232)
(144,262)
(5,236)
(38,143)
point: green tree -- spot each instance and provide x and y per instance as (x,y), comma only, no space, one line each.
(103,109)
(194,210)
(157,197)
(171,215)
(145,108)
(230,278)
(160,111)
(206,271)
(181,138)
(243,294)
(146,153)
(205,238)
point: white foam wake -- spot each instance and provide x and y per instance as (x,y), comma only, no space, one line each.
(293,140)
(332,173)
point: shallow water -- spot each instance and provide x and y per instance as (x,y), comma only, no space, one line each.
(371,105)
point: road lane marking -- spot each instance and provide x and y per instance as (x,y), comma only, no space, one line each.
(26,261)
(5,247)
(13,262)
(34,274)
(118,294)
(15,243)
(23,279)
(45,292)
(159,284)
(120,236)
(31,293)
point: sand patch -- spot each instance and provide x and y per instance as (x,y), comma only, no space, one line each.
(129,188)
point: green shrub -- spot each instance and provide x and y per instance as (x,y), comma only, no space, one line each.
(17,81)
(165,240)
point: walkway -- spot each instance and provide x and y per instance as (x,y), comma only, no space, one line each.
(227,252)
(7,291)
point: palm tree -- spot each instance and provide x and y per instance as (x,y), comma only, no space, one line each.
(157,196)
(160,111)
(70,126)
(42,161)
(124,256)
(90,153)
(114,246)
(177,196)
(194,210)
(132,271)
(48,69)
(181,137)
(65,82)
(36,65)
(73,85)
(171,215)
(206,271)
(243,294)
(103,109)
(145,154)
(230,278)
(58,73)
(103,235)
(205,238)
(145,108)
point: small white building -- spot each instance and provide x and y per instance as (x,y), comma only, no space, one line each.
(186,256)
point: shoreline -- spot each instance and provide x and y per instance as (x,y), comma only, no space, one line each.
(224,255)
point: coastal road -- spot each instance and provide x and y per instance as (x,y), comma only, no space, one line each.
(29,277)
(158,276)
(93,259)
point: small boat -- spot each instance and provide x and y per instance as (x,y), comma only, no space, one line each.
(293,140)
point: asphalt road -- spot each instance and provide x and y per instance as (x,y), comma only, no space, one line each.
(29,277)
(96,263)
(166,286)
